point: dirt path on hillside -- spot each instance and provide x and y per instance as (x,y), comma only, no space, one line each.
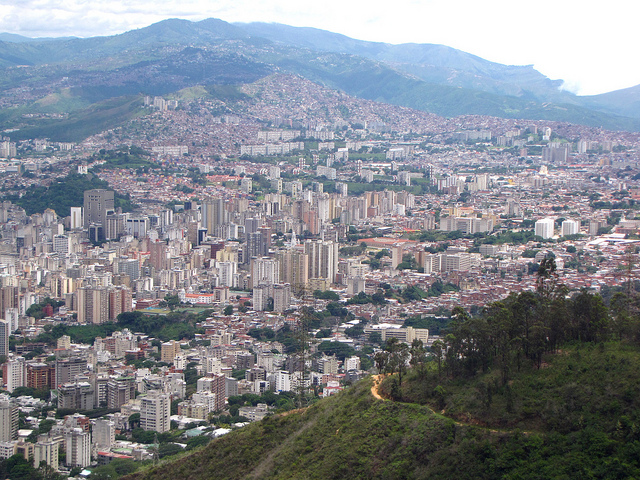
(377,380)
(375,391)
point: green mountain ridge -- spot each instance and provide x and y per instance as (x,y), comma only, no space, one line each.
(175,54)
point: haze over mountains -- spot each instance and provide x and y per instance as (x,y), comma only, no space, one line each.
(48,76)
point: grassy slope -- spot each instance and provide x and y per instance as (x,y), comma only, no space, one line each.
(353,435)
(593,385)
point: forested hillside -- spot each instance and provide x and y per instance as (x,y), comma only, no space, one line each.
(541,385)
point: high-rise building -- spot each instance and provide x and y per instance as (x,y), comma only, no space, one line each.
(40,376)
(68,368)
(104,433)
(570,227)
(4,337)
(323,259)
(78,448)
(155,411)
(76,396)
(120,391)
(93,305)
(16,374)
(76,218)
(97,203)
(281,297)
(544,228)
(46,451)
(8,420)
(169,350)
(294,268)
(213,214)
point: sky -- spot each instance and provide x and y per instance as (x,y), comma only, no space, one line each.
(591,45)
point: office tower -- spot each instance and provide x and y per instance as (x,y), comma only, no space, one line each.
(97,203)
(155,410)
(78,448)
(8,420)
(76,218)
(213,214)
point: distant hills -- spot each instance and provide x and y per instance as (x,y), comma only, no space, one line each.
(67,76)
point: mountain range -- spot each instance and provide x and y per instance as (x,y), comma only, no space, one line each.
(45,78)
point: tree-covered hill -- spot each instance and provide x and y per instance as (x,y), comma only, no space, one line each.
(540,385)
(63,194)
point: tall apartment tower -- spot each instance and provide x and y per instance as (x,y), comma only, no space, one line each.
(213,214)
(155,411)
(97,203)
(4,338)
(8,420)
(78,448)
(68,368)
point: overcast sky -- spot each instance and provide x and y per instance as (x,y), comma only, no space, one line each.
(590,44)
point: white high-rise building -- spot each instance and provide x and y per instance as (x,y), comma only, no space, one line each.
(16,374)
(12,315)
(227,273)
(8,420)
(46,451)
(570,227)
(104,434)
(78,447)
(155,411)
(76,218)
(544,228)
(283,381)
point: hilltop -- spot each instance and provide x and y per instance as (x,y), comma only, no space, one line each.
(512,393)
(354,435)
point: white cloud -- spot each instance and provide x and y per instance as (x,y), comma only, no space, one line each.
(587,44)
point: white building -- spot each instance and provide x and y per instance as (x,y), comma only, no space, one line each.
(155,412)
(283,381)
(78,447)
(16,374)
(8,420)
(544,228)
(46,451)
(570,227)
(104,434)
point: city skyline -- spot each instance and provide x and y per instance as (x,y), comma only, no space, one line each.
(586,47)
